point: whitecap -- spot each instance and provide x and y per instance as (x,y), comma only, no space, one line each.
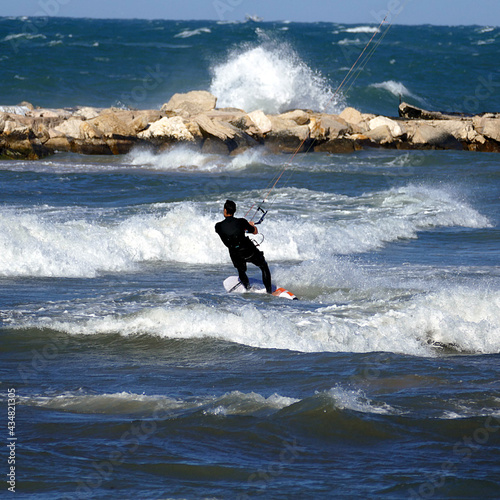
(350,41)
(356,400)
(190,33)
(27,36)
(362,29)
(398,89)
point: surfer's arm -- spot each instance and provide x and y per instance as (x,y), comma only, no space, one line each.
(253,227)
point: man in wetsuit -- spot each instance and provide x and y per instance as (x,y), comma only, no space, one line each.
(241,249)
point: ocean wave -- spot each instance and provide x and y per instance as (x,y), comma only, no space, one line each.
(362,29)
(356,400)
(270,76)
(485,42)
(398,89)
(116,403)
(44,245)
(26,36)
(190,33)
(232,403)
(351,41)
(455,319)
(486,29)
(185,158)
(328,224)
(305,225)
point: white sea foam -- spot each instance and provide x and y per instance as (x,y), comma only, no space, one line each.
(332,224)
(45,245)
(485,42)
(362,29)
(181,157)
(351,41)
(270,76)
(190,33)
(69,242)
(178,158)
(486,29)
(464,319)
(355,399)
(27,36)
(240,403)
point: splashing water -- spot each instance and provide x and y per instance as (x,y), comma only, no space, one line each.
(271,77)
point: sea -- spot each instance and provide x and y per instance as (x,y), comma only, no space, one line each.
(128,372)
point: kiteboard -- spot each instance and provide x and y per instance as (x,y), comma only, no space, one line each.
(234,285)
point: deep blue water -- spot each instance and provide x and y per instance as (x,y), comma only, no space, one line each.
(137,376)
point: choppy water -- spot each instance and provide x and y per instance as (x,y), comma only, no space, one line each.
(137,376)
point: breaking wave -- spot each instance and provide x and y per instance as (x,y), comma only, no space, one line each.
(270,76)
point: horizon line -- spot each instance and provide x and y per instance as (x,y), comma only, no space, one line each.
(284,21)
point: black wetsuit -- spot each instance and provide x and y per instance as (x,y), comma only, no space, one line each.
(242,250)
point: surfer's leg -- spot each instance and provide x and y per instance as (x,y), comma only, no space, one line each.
(259,260)
(241,266)
(266,277)
(244,278)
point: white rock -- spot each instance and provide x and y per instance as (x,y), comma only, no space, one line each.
(393,126)
(172,128)
(262,122)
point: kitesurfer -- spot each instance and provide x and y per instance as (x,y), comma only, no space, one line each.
(232,232)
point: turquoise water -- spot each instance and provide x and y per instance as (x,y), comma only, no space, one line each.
(138,376)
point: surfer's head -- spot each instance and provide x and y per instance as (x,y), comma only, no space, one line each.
(230,207)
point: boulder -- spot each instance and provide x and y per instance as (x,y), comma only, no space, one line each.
(27,104)
(351,115)
(230,118)
(16,129)
(190,104)
(488,127)
(47,113)
(380,135)
(114,123)
(3,118)
(58,143)
(299,116)
(87,113)
(286,136)
(336,146)
(462,130)
(413,112)
(143,119)
(434,137)
(171,129)
(222,137)
(261,121)
(23,150)
(69,128)
(214,128)
(357,120)
(394,127)
(329,127)
(244,123)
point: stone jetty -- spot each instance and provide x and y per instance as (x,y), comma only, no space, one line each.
(193,118)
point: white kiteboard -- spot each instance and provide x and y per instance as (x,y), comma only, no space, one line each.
(234,285)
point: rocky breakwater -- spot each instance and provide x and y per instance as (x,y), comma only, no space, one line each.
(193,118)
